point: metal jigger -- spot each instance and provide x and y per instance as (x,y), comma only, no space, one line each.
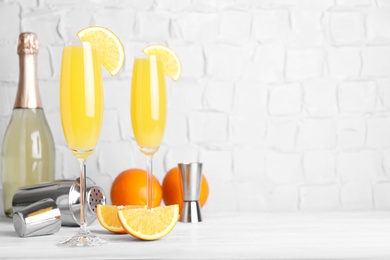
(190,176)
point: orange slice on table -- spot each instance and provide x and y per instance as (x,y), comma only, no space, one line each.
(149,224)
(109,47)
(107,216)
(170,61)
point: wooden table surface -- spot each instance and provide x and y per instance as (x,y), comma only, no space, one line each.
(229,235)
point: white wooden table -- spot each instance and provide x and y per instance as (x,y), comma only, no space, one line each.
(337,235)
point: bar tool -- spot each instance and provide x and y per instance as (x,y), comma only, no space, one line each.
(190,179)
(66,194)
(40,218)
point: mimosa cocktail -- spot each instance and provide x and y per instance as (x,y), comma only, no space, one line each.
(81,99)
(148,102)
(81,107)
(148,110)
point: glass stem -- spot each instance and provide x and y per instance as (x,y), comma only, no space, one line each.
(149,179)
(83,194)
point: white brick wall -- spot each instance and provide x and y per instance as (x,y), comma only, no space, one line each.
(287,102)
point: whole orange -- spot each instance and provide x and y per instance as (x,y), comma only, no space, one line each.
(129,188)
(171,188)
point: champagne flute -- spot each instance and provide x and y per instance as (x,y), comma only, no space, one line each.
(148,111)
(81,107)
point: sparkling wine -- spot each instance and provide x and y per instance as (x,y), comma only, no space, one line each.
(28,153)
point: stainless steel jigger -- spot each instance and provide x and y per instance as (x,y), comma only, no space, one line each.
(191,176)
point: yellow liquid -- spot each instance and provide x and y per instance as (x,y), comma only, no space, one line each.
(148,103)
(28,155)
(81,99)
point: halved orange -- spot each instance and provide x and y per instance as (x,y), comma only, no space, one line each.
(108,47)
(170,61)
(149,224)
(107,216)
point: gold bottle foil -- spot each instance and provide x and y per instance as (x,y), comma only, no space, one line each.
(28,93)
(27,43)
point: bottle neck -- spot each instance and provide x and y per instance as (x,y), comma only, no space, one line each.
(28,92)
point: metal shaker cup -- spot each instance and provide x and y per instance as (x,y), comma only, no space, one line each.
(66,194)
(40,218)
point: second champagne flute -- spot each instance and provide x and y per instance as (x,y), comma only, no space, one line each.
(148,111)
(81,107)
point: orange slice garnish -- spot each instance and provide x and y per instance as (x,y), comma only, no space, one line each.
(170,61)
(149,224)
(108,47)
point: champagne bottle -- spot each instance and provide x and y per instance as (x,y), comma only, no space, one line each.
(28,153)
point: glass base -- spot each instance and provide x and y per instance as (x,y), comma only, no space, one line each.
(83,239)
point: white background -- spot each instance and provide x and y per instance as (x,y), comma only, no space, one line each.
(286,102)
